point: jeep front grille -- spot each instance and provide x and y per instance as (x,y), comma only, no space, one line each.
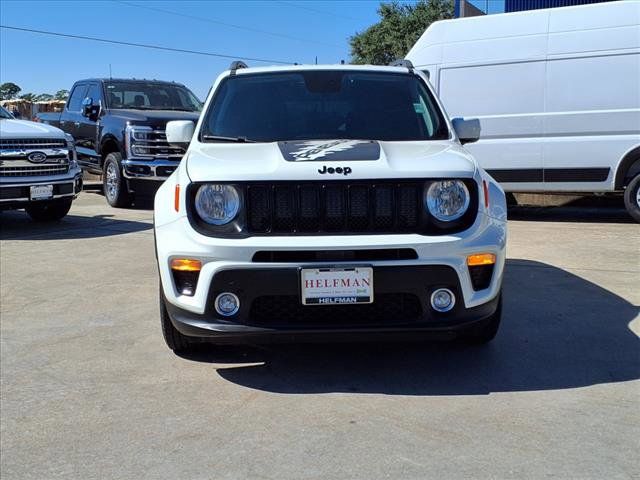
(336,208)
(333,207)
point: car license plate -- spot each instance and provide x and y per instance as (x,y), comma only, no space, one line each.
(337,286)
(41,192)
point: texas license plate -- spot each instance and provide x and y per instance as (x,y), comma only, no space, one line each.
(41,192)
(337,286)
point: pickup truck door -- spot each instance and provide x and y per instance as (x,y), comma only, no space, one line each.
(72,115)
(87,130)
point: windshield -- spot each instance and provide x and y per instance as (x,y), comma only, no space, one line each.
(325,104)
(150,96)
(4,113)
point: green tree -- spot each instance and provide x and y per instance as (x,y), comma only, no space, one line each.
(61,95)
(399,28)
(9,90)
(29,97)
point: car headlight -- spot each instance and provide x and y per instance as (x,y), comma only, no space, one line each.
(217,204)
(71,146)
(71,143)
(447,200)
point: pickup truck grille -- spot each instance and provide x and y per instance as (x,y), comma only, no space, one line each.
(153,143)
(31,143)
(17,157)
(34,170)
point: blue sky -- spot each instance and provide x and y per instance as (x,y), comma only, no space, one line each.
(44,64)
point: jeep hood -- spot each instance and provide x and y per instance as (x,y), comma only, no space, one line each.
(25,129)
(305,160)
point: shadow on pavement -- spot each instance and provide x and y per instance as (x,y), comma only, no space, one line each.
(16,225)
(587,209)
(558,331)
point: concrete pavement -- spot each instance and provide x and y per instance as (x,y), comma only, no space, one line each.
(89,390)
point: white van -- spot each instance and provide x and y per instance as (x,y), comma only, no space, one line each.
(557,92)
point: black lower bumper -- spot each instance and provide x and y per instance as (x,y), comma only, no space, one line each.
(16,195)
(271,311)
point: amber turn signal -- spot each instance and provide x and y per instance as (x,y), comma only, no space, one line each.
(186,265)
(176,198)
(481,259)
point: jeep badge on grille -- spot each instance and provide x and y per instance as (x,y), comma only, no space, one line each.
(330,170)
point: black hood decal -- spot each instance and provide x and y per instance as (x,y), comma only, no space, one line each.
(329,150)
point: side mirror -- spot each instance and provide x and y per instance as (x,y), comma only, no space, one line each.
(468,131)
(180,132)
(90,110)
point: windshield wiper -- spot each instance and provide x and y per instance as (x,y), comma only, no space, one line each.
(219,138)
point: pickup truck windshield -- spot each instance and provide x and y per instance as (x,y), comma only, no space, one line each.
(323,104)
(150,96)
(4,113)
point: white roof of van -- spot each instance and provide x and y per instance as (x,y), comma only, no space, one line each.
(521,24)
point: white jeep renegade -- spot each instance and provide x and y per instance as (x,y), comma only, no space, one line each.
(327,202)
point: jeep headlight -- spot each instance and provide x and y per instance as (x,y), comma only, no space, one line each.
(217,204)
(447,200)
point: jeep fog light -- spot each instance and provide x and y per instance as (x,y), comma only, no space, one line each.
(447,200)
(227,304)
(443,300)
(217,204)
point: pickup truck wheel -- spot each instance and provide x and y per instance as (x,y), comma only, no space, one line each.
(115,185)
(632,198)
(49,211)
(173,338)
(488,331)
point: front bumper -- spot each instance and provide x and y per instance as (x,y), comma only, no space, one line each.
(236,265)
(157,170)
(270,308)
(15,191)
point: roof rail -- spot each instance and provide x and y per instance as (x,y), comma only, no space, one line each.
(401,62)
(236,65)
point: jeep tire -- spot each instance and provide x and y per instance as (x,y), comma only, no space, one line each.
(487,332)
(113,182)
(176,341)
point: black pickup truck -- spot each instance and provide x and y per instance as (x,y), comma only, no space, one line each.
(119,130)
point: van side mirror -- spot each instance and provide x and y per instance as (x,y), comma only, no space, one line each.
(90,110)
(468,130)
(180,132)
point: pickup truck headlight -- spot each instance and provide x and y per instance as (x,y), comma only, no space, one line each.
(217,204)
(447,200)
(71,146)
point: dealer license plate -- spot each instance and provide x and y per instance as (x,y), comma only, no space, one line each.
(41,192)
(337,286)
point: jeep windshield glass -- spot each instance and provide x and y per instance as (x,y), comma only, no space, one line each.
(150,96)
(324,104)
